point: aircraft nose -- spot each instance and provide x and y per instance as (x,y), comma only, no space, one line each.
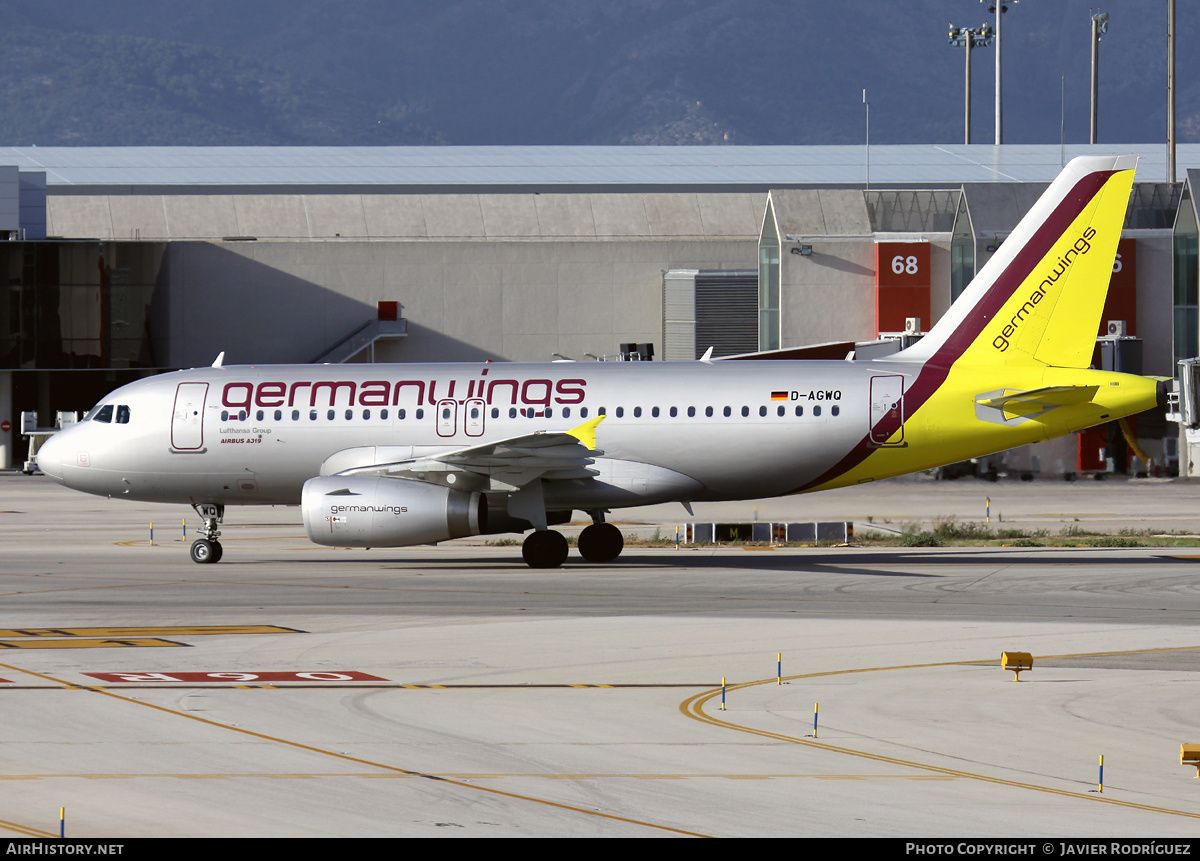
(49,458)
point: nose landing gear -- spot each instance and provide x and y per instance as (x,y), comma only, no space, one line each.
(204,551)
(208,549)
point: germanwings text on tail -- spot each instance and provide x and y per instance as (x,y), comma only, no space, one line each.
(395,455)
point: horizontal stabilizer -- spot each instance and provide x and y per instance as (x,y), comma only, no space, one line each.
(1034,402)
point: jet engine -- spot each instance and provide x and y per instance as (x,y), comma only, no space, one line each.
(373,511)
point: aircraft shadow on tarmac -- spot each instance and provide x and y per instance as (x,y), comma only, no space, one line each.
(874,564)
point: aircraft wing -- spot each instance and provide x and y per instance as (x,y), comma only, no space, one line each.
(507,464)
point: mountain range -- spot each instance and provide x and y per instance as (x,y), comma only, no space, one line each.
(400,72)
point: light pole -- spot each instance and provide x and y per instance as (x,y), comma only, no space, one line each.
(999,7)
(1099,28)
(867,106)
(965,37)
(1170,90)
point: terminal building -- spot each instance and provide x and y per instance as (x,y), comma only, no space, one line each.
(125,262)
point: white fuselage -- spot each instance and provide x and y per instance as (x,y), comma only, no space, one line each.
(687,430)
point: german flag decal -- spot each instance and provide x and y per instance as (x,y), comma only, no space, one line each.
(779,396)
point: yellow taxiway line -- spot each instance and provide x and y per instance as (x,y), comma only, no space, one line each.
(693,707)
(396,770)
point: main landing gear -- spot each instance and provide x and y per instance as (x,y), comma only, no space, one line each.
(208,549)
(544,549)
(600,542)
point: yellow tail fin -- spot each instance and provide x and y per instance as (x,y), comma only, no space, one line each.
(1038,300)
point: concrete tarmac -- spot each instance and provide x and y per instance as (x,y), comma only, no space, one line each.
(293,690)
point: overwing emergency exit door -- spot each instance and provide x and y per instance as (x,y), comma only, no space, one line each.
(473,416)
(447,417)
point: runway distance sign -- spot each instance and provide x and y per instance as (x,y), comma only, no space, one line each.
(243,677)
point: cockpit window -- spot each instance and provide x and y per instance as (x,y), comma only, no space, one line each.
(104,414)
(122,414)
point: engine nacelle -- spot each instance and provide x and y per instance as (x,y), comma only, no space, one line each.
(373,511)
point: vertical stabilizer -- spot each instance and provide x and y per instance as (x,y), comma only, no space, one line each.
(1039,299)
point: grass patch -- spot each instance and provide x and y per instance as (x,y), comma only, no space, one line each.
(949,529)
(1113,541)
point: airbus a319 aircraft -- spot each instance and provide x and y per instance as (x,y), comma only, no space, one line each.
(404,454)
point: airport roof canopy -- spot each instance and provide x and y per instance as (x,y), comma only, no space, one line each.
(182,170)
